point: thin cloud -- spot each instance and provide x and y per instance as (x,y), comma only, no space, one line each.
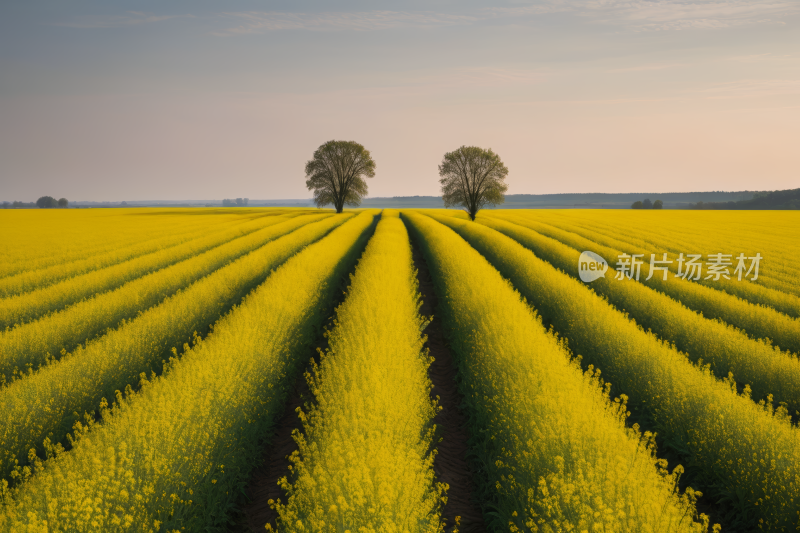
(750,89)
(670,15)
(130,18)
(260,22)
(644,68)
(264,21)
(765,57)
(636,15)
(473,77)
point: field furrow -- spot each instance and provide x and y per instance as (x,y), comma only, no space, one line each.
(758,321)
(743,454)
(116,249)
(747,232)
(365,457)
(554,448)
(175,454)
(33,344)
(25,307)
(769,292)
(776,285)
(43,239)
(767,370)
(48,402)
(778,270)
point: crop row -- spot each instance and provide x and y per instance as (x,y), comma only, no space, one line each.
(33,344)
(776,285)
(38,278)
(766,369)
(749,233)
(44,239)
(756,293)
(364,460)
(48,402)
(175,454)
(25,307)
(758,321)
(554,448)
(745,453)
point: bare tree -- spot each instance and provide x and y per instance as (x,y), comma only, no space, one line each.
(472,177)
(336,174)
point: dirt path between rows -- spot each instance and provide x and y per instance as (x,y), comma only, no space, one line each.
(450,464)
(263,484)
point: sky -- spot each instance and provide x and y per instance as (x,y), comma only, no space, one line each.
(190,100)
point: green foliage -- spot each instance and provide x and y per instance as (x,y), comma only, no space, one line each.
(647,204)
(472,178)
(63,202)
(766,369)
(336,174)
(365,458)
(195,249)
(59,392)
(750,307)
(744,453)
(553,450)
(238,202)
(787,199)
(46,202)
(33,343)
(769,233)
(176,454)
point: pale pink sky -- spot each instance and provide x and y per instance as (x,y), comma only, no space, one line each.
(600,96)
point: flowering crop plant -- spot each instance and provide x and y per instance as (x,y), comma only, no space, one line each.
(523,371)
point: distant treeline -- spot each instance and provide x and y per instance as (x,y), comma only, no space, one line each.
(647,204)
(621,200)
(239,202)
(45,202)
(670,200)
(788,199)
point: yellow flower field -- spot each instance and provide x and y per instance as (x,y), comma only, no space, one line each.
(147,357)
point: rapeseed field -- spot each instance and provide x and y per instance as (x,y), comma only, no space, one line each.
(613,370)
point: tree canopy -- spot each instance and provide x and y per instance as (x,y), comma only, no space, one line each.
(47,201)
(336,174)
(238,202)
(472,177)
(647,204)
